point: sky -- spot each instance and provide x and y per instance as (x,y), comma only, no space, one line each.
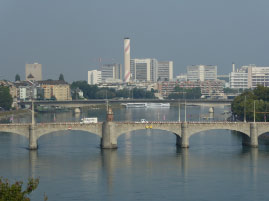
(69,36)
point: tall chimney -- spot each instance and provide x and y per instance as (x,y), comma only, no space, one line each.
(127,73)
(233,67)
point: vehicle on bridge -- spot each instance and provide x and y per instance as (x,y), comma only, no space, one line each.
(144,121)
(89,120)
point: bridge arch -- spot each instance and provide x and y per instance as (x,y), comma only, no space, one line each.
(262,128)
(192,130)
(129,127)
(16,133)
(22,130)
(40,133)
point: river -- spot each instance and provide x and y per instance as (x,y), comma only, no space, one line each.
(146,166)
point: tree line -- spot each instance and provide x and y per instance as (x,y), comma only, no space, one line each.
(94,92)
(5,98)
(245,102)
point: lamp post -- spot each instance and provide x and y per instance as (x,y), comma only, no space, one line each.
(245,110)
(184,93)
(178,111)
(254,113)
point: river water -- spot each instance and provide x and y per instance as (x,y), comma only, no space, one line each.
(146,166)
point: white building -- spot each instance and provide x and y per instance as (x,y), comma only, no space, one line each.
(33,72)
(249,77)
(141,69)
(165,70)
(239,79)
(258,76)
(111,72)
(181,77)
(201,72)
(94,77)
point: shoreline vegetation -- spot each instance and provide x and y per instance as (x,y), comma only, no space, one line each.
(9,114)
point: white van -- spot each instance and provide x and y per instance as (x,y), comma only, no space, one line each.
(89,120)
(144,121)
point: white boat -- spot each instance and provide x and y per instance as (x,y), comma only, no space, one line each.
(146,105)
(158,105)
(135,105)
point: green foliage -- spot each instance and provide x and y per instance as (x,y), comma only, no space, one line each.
(93,92)
(15,192)
(261,97)
(61,77)
(188,93)
(5,98)
(17,77)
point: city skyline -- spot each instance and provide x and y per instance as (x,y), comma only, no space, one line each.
(72,40)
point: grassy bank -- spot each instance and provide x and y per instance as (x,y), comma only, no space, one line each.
(8,114)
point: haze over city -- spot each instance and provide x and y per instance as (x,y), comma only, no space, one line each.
(70,37)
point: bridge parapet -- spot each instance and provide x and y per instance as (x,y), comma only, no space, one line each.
(46,128)
(125,127)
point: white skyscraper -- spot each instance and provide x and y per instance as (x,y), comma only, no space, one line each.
(144,69)
(257,76)
(165,70)
(201,72)
(111,72)
(94,77)
(127,57)
(239,78)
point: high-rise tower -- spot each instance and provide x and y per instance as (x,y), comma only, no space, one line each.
(127,57)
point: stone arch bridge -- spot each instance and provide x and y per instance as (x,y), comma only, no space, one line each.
(111,130)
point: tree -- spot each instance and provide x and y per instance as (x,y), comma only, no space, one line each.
(61,77)
(245,102)
(14,192)
(17,77)
(5,98)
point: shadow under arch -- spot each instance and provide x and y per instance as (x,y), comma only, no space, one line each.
(15,133)
(235,131)
(148,135)
(71,134)
(133,131)
(264,138)
(237,135)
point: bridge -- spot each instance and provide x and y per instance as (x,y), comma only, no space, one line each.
(110,131)
(83,103)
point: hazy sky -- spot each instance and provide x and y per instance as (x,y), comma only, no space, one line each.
(69,36)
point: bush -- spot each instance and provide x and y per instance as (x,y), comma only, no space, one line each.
(14,192)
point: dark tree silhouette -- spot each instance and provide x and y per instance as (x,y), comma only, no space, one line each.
(61,77)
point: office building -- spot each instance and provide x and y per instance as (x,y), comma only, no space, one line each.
(165,71)
(111,72)
(144,70)
(33,72)
(201,72)
(249,76)
(141,69)
(94,77)
(239,78)
(257,76)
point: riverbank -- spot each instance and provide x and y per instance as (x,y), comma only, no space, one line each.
(14,113)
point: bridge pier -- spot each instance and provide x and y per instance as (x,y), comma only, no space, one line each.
(32,138)
(251,141)
(109,140)
(184,135)
(253,135)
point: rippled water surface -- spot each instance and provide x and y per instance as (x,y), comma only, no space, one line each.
(146,166)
